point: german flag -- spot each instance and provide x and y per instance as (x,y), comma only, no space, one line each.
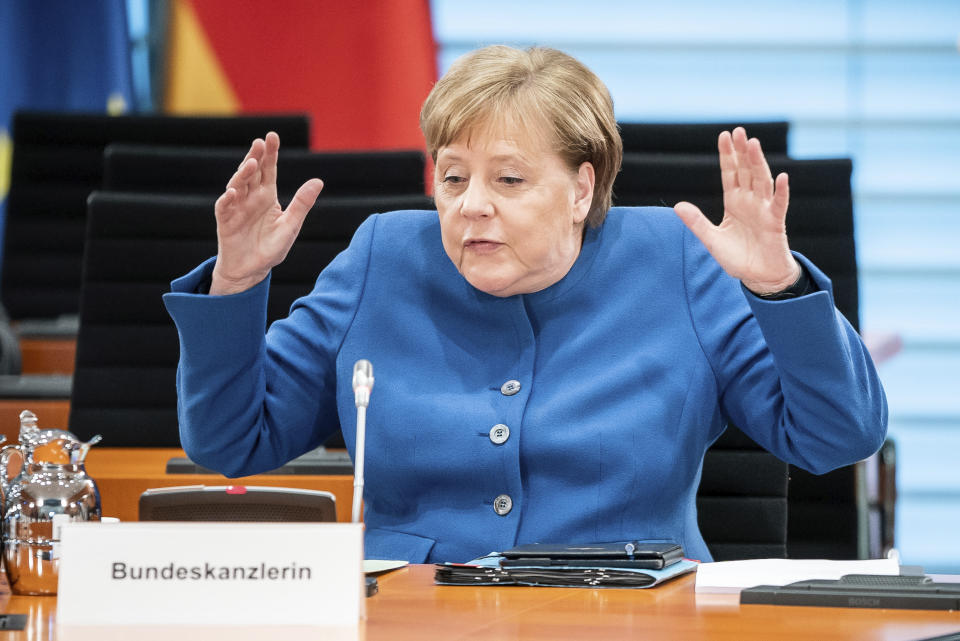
(360,69)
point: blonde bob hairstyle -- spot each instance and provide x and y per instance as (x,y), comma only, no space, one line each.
(538,88)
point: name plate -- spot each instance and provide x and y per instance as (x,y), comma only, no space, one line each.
(294,574)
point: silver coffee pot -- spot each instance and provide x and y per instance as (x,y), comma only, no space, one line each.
(51,488)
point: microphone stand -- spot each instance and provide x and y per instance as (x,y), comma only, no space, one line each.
(362,384)
(358,463)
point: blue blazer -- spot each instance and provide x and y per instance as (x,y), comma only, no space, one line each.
(580,413)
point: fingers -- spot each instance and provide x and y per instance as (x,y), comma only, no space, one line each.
(696,222)
(241,181)
(728,162)
(248,173)
(268,165)
(221,208)
(761,179)
(303,200)
(781,196)
(744,175)
(255,151)
(743,165)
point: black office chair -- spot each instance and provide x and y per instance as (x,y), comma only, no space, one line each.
(824,518)
(819,224)
(697,138)
(204,171)
(58,161)
(127,347)
(742,500)
(356,182)
(245,503)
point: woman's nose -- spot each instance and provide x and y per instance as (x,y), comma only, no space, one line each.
(476,200)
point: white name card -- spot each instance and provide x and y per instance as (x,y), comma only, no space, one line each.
(270,574)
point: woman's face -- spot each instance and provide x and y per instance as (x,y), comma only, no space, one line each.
(511,212)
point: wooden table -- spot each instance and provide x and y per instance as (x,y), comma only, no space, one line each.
(52,412)
(410,607)
(48,355)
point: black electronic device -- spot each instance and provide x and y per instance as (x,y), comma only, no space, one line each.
(861,591)
(13,621)
(237,503)
(622,554)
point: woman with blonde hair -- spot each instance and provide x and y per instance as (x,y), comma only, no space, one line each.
(549,368)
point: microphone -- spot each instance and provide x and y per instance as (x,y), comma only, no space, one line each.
(362,384)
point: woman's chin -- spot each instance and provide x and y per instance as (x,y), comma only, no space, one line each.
(501,287)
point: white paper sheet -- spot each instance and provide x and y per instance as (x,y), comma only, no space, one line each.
(733,576)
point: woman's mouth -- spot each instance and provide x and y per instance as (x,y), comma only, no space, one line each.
(482,245)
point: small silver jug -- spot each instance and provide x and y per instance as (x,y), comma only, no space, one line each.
(51,488)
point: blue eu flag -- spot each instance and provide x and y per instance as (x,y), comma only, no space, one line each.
(60,55)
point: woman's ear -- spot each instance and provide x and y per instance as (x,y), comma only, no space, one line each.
(583,192)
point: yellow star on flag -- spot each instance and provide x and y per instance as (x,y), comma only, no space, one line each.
(6,153)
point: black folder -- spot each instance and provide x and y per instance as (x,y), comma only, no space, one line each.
(861,591)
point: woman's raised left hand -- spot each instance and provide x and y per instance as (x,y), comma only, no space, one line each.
(750,243)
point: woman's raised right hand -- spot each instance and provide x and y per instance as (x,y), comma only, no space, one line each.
(253,233)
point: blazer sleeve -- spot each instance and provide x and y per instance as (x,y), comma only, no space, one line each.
(248,400)
(793,374)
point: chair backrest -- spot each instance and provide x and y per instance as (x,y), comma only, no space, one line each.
(58,161)
(177,170)
(127,348)
(819,223)
(236,503)
(698,138)
(742,500)
(740,493)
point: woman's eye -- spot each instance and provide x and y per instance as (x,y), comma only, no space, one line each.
(454,180)
(511,180)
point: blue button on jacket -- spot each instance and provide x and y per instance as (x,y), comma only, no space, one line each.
(629,368)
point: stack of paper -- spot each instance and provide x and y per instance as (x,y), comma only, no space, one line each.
(733,576)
